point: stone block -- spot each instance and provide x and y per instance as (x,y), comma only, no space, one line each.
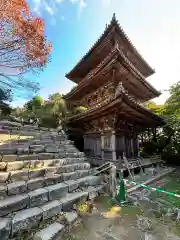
(93,192)
(9,123)
(22,150)
(46,141)
(13,204)
(36,173)
(36,163)
(50,170)
(38,197)
(51,149)
(82,173)
(43,156)
(76,160)
(10,158)
(51,179)
(72,185)
(35,183)
(73,198)
(12,166)
(101,188)
(82,166)
(26,219)
(37,150)
(16,188)
(67,168)
(5,228)
(52,232)
(5,131)
(62,161)
(19,175)
(49,163)
(36,142)
(8,151)
(57,191)
(3,166)
(28,157)
(70,218)
(27,163)
(4,176)
(89,181)
(34,146)
(69,176)
(44,129)
(71,149)
(72,155)
(51,209)
(3,192)
(81,154)
(59,155)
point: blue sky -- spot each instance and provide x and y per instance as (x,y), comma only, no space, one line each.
(74,25)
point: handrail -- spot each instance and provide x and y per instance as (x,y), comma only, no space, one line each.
(103,170)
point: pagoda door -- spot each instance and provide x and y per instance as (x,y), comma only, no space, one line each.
(129,147)
(120,146)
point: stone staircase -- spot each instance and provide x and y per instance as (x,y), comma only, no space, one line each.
(40,177)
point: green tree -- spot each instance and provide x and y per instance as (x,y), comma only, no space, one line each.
(167,141)
(34,104)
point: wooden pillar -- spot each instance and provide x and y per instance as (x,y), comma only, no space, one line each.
(138,147)
(85,142)
(102,145)
(113,145)
(132,147)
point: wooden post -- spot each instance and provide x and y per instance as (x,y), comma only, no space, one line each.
(113,145)
(102,145)
(138,147)
(85,142)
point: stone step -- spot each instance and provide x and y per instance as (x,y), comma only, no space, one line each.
(53,231)
(27,174)
(7,166)
(25,220)
(68,168)
(43,195)
(37,141)
(24,154)
(20,187)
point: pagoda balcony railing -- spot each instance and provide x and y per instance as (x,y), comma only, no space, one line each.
(119,90)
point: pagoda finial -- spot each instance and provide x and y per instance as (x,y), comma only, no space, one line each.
(114,17)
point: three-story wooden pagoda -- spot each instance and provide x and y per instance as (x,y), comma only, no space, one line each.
(111,84)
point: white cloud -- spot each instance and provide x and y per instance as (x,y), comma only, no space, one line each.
(49,10)
(37,4)
(81,3)
(50,6)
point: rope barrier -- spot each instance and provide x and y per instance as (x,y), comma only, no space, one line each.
(154,189)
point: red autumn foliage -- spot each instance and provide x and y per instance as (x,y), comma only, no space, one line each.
(23,45)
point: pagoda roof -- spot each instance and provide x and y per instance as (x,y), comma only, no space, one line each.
(86,62)
(93,80)
(126,108)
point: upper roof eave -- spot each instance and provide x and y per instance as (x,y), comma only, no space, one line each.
(115,51)
(108,28)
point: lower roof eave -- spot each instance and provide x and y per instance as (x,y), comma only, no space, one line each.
(120,105)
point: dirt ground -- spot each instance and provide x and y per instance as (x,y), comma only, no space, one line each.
(95,227)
